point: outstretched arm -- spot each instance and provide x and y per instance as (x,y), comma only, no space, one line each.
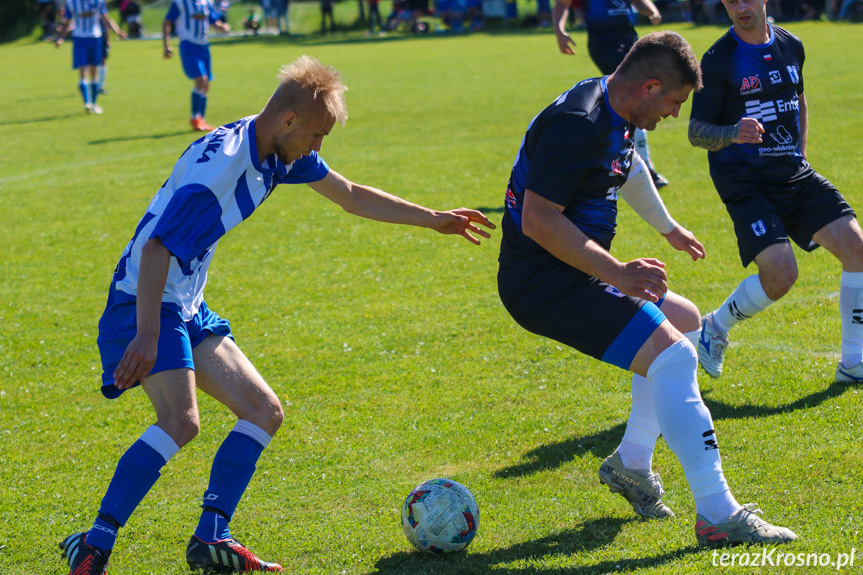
(649,9)
(713,138)
(140,355)
(559,16)
(375,204)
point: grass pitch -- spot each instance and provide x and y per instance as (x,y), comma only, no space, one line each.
(395,360)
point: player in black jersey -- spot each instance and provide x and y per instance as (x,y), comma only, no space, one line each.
(610,34)
(752,118)
(558,279)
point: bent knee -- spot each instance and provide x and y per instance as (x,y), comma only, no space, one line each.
(182,431)
(779,283)
(682,313)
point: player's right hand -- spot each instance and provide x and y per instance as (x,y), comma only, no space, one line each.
(565,44)
(137,361)
(748,131)
(644,278)
(168,53)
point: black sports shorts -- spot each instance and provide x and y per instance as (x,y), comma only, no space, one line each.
(765,214)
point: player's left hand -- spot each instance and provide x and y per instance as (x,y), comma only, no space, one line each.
(462,222)
(682,239)
(655,19)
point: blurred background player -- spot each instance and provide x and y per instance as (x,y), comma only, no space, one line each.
(610,35)
(86,18)
(191,20)
(752,117)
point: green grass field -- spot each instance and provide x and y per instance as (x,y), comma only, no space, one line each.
(393,355)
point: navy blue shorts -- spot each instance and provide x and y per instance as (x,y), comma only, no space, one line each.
(607,49)
(562,303)
(768,214)
(196,60)
(86,52)
(177,338)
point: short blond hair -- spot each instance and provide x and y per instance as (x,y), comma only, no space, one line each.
(305,82)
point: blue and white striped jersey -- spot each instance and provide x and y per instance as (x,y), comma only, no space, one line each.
(192,19)
(86,16)
(215,185)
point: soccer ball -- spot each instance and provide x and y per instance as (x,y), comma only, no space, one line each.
(440,516)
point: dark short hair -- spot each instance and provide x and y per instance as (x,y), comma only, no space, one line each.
(666,56)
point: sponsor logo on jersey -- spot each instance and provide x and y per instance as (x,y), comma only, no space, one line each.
(750,85)
(616,169)
(782,136)
(792,71)
(213,146)
(775,77)
(758,228)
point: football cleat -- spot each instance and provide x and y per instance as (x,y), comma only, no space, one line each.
(225,556)
(849,374)
(641,490)
(659,180)
(97,109)
(741,527)
(711,347)
(82,558)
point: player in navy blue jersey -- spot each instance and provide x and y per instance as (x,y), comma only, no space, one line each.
(191,20)
(752,118)
(86,18)
(558,279)
(610,35)
(157,330)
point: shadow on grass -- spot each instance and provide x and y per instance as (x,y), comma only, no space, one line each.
(37,120)
(602,443)
(589,536)
(141,137)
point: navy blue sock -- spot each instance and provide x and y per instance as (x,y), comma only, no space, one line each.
(203,105)
(232,470)
(94,90)
(136,473)
(212,527)
(194,103)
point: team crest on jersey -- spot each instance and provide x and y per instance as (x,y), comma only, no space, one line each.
(616,169)
(750,85)
(792,71)
(759,228)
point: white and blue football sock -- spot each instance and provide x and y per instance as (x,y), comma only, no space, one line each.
(233,467)
(84,88)
(102,71)
(851,312)
(136,473)
(687,426)
(745,301)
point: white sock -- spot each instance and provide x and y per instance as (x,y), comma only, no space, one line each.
(851,312)
(640,141)
(642,429)
(686,424)
(715,507)
(744,302)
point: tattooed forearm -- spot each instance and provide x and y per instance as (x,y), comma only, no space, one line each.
(710,136)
